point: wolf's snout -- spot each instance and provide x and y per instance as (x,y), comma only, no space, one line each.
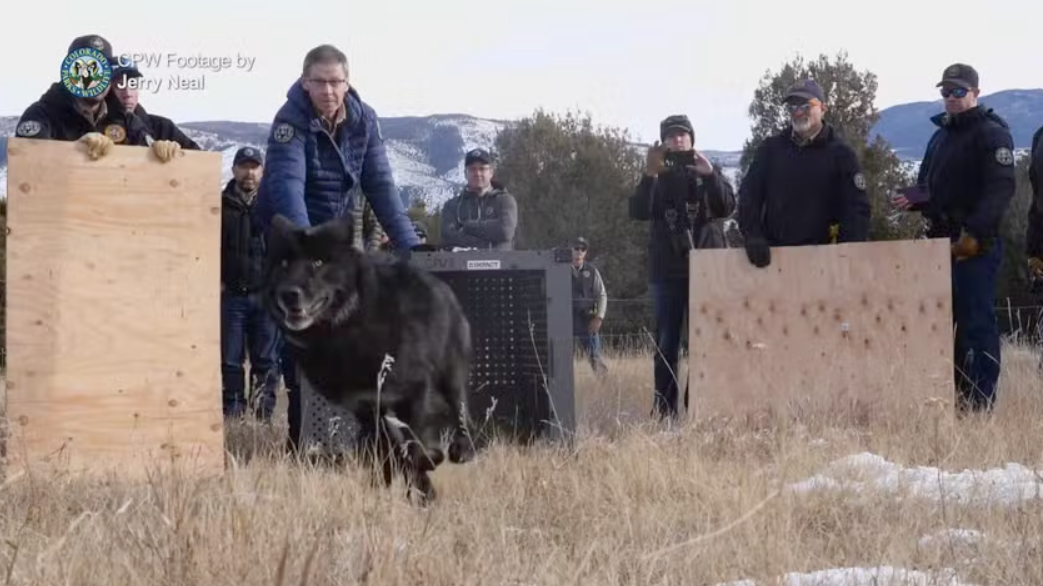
(290,297)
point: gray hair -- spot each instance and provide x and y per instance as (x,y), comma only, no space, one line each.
(325,54)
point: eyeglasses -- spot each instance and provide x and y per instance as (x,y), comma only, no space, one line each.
(956,92)
(579,248)
(335,83)
(800,107)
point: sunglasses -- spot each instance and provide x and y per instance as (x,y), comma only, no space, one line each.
(800,107)
(579,248)
(956,92)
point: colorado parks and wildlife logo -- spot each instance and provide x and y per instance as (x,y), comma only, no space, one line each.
(86,73)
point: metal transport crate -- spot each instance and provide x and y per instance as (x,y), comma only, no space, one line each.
(519,304)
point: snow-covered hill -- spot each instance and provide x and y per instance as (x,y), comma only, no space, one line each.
(426,152)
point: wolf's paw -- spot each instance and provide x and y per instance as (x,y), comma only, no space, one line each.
(98,144)
(461,450)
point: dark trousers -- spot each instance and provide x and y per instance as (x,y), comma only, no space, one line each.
(670,301)
(977,348)
(247,328)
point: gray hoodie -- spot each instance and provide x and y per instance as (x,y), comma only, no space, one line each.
(486,222)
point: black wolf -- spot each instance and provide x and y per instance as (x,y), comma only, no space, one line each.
(342,312)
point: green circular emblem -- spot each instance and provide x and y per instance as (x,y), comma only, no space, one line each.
(86,73)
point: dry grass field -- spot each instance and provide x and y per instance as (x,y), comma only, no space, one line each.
(927,499)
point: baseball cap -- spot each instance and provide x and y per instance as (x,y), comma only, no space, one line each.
(96,42)
(677,121)
(247,154)
(126,67)
(478,156)
(959,74)
(807,89)
(579,242)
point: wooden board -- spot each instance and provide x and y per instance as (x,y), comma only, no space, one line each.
(862,327)
(113,310)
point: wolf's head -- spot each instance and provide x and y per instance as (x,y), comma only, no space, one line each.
(313,274)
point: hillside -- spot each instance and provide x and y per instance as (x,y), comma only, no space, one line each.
(908,126)
(427,151)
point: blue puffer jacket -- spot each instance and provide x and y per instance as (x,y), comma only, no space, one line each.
(309,174)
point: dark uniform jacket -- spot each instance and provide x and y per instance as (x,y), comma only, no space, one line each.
(588,299)
(710,197)
(793,193)
(1034,237)
(161,128)
(55,116)
(486,222)
(968,173)
(242,244)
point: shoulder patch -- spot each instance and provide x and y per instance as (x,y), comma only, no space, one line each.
(283,133)
(116,133)
(1004,156)
(29,128)
(860,181)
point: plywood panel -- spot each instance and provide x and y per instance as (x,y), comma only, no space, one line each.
(862,327)
(113,323)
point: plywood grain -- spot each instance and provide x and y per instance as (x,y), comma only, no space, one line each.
(862,328)
(113,323)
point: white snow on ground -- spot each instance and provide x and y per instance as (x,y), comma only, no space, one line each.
(877,576)
(1005,486)
(866,472)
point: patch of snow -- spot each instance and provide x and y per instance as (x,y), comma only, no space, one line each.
(956,537)
(874,576)
(863,472)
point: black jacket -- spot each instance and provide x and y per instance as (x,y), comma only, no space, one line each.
(968,173)
(162,128)
(792,193)
(242,244)
(55,116)
(711,197)
(1034,237)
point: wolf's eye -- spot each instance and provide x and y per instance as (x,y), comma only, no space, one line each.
(316,263)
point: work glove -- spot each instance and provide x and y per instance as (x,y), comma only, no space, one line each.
(98,144)
(966,247)
(1035,268)
(655,160)
(758,251)
(166,150)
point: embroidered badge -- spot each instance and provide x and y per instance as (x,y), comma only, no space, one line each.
(1004,156)
(29,128)
(116,133)
(860,181)
(283,133)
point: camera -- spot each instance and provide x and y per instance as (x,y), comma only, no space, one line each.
(679,159)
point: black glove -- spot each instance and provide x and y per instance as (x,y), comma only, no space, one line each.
(758,251)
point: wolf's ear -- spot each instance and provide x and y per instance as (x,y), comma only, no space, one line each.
(282,235)
(338,231)
(282,225)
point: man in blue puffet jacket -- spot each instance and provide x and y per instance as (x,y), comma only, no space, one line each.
(323,142)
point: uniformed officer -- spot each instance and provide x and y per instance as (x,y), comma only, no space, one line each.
(589,304)
(968,175)
(1034,235)
(81,107)
(126,90)
(803,183)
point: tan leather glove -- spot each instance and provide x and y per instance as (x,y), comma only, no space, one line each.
(966,247)
(1036,268)
(655,160)
(98,144)
(166,150)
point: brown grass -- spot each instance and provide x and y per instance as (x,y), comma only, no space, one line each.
(631,504)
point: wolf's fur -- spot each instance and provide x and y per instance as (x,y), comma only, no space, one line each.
(342,311)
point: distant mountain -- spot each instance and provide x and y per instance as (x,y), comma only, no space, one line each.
(907,127)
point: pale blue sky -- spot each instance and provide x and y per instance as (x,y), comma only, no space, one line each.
(629,64)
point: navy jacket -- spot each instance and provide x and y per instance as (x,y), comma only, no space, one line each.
(968,172)
(309,173)
(1034,236)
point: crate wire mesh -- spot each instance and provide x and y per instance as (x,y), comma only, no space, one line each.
(519,307)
